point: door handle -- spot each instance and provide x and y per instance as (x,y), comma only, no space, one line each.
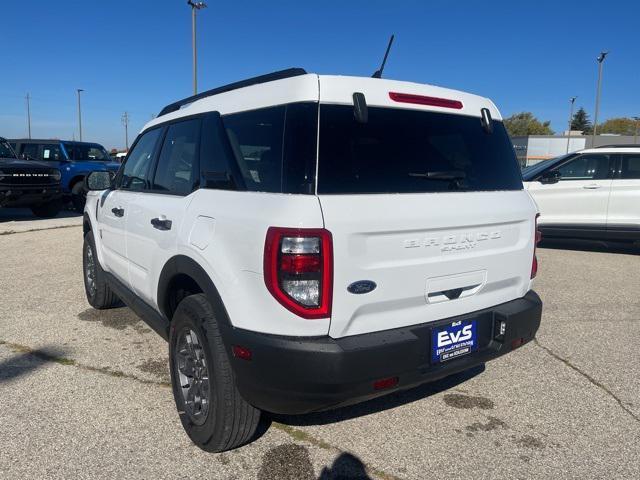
(118,212)
(592,186)
(161,223)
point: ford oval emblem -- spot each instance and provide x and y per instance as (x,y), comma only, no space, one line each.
(361,286)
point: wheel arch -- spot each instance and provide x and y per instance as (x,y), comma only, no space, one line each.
(180,272)
(75,179)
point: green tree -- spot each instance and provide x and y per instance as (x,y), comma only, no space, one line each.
(621,126)
(581,122)
(525,123)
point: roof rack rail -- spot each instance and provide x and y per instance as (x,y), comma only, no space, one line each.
(619,145)
(269,77)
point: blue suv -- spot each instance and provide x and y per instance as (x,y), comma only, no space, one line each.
(74,159)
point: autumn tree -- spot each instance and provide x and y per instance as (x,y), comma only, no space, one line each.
(525,123)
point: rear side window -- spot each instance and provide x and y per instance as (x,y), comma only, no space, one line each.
(178,160)
(586,167)
(409,151)
(630,168)
(135,173)
(275,148)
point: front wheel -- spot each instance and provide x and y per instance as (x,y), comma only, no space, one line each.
(99,295)
(213,413)
(78,196)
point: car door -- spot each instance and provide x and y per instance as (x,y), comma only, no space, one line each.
(624,205)
(155,215)
(113,211)
(580,196)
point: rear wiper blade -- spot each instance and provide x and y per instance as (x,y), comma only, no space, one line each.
(446,175)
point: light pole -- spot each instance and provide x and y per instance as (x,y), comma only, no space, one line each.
(79,90)
(572,100)
(635,135)
(600,61)
(195,6)
(28,98)
(125,122)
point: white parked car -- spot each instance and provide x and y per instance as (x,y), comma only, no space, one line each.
(306,242)
(591,194)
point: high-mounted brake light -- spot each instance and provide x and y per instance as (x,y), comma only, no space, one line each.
(537,236)
(298,269)
(424,100)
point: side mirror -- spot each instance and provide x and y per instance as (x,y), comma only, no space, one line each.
(552,176)
(99,181)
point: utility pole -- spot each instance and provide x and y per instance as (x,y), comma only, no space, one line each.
(572,100)
(125,122)
(194,7)
(635,135)
(600,61)
(28,98)
(79,90)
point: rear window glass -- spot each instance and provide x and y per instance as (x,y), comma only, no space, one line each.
(409,151)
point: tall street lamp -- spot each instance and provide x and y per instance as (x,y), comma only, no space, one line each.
(572,100)
(79,90)
(195,6)
(600,61)
(635,135)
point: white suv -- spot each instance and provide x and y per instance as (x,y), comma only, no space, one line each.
(306,242)
(592,194)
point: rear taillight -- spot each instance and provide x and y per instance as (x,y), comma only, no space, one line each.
(298,269)
(537,236)
(424,100)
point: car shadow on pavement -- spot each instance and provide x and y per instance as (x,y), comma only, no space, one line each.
(292,461)
(25,215)
(590,246)
(380,404)
(27,361)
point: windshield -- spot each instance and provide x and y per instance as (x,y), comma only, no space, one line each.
(86,151)
(532,171)
(5,150)
(410,151)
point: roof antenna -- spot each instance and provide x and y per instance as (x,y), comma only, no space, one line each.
(378,73)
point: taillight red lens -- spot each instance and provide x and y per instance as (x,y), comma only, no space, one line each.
(298,270)
(424,100)
(537,236)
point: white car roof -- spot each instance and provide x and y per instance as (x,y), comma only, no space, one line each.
(332,89)
(608,150)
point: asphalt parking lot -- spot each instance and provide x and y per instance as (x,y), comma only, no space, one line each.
(84,394)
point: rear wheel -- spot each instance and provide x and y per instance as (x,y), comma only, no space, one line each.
(99,295)
(78,196)
(47,210)
(214,415)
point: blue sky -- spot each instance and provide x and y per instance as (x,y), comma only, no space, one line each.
(136,55)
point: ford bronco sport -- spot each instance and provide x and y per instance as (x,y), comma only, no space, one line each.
(28,184)
(306,242)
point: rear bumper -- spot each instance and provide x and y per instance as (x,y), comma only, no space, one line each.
(24,196)
(294,375)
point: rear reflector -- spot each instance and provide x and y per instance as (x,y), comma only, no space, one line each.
(537,236)
(423,100)
(385,383)
(241,352)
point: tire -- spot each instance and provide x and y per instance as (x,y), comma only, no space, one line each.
(99,295)
(226,421)
(78,196)
(47,210)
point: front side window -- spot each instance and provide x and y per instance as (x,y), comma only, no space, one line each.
(177,162)
(29,151)
(5,150)
(586,167)
(411,151)
(51,152)
(135,173)
(630,168)
(77,151)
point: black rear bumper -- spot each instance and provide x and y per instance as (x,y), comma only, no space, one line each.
(294,375)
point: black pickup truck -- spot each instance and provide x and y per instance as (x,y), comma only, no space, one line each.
(28,184)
